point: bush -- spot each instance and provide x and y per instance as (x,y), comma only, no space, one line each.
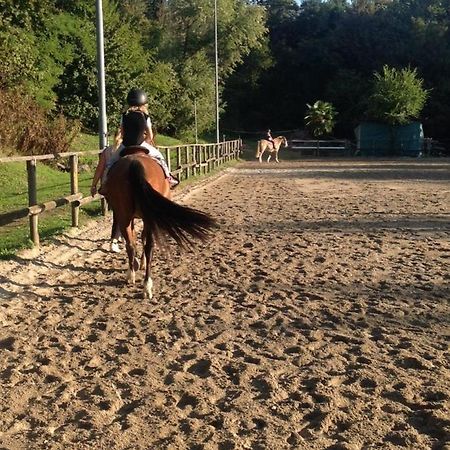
(398,96)
(27,129)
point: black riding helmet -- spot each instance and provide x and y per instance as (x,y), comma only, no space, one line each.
(137,97)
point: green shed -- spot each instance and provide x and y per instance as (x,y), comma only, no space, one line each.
(377,139)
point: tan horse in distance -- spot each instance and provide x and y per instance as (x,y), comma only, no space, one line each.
(264,145)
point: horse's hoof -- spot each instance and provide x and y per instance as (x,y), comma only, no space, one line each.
(148,289)
(114,246)
(131,277)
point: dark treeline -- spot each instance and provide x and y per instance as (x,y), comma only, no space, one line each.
(275,56)
(329,50)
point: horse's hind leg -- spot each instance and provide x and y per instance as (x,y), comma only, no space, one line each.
(270,156)
(115,229)
(148,252)
(115,235)
(261,155)
(143,239)
(128,234)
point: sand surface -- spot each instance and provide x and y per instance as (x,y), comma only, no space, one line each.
(316,318)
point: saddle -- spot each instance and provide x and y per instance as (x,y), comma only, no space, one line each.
(133,150)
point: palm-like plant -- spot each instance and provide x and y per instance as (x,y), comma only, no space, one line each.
(320,118)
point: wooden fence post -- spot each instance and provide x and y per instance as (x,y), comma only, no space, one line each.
(196,160)
(32,200)
(179,161)
(190,160)
(169,163)
(205,159)
(74,187)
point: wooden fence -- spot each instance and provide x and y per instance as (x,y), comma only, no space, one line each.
(318,148)
(183,160)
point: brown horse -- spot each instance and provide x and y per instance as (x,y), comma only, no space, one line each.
(264,145)
(137,188)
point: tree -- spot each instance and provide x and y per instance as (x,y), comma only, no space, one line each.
(320,118)
(183,36)
(21,64)
(398,96)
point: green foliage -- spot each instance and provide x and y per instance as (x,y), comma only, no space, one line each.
(21,63)
(125,61)
(184,36)
(29,130)
(348,89)
(241,29)
(398,96)
(320,118)
(27,14)
(80,8)
(34,34)
(196,84)
(162,85)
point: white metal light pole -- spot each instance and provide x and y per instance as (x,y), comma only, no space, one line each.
(102,125)
(217,72)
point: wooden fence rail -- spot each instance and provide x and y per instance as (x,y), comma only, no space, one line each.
(183,160)
(321,147)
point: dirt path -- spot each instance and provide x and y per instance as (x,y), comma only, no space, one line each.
(317,318)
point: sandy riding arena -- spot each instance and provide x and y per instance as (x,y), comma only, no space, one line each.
(317,317)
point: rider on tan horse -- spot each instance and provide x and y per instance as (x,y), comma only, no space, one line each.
(270,138)
(271,146)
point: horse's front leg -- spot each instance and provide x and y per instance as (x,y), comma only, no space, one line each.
(270,156)
(276,157)
(148,252)
(260,156)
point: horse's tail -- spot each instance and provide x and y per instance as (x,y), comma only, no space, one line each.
(258,149)
(163,215)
